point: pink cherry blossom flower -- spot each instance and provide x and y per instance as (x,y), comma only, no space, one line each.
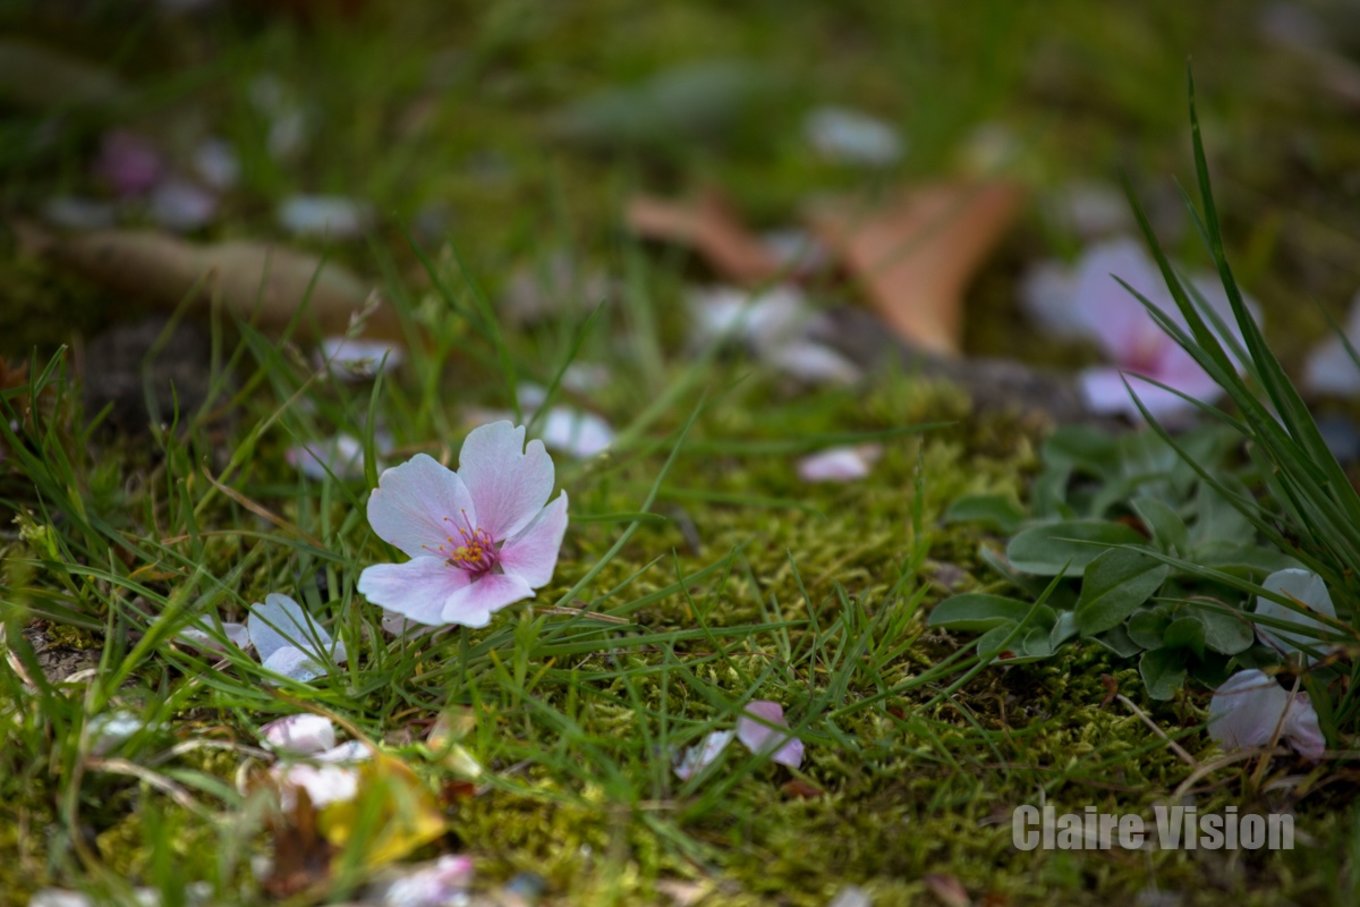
(1087,301)
(839,464)
(479,539)
(755,732)
(1250,707)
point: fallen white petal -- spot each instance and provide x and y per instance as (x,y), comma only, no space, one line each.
(852,137)
(1307,588)
(216,164)
(575,432)
(431,886)
(357,358)
(339,455)
(324,784)
(324,215)
(204,636)
(60,897)
(697,758)
(179,205)
(1248,708)
(299,734)
(814,363)
(839,464)
(109,729)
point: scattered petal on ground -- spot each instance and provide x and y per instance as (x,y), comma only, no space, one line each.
(358,359)
(180,205)
(1088,301)
(107,730)
(575,432)
(215,162)
(696,758)
(435,885)
(1308,589)
(289,641)
(340,455)
(324,215)
(759,738)
(852,137)
(839,464)
(205,637)
(1248,708)
(304,734)
(128,163)
(1329,368)
(324,784)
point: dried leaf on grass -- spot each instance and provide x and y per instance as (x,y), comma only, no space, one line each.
(916,254)
(709,227)
(252,279)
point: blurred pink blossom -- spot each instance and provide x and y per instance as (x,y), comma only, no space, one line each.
(1087,301)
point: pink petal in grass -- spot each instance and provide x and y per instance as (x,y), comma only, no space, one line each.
(532,555)
(417,590)
(473,605)
(755,733)
(508,482)
(415,504)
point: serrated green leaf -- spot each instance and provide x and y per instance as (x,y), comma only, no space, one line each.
(1115,585)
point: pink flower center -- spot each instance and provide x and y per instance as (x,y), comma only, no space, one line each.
(474,550)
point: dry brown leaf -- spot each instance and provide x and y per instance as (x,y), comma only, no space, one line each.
(948,890)
(709,227)
(253,279)
(916,254)
(302,857)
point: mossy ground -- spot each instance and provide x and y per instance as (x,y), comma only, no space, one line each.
(752,583)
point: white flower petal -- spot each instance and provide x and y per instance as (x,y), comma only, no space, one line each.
(1308,589)
(436,885)
(324,784)
(509,481)
(852,137)
(289,641)
(357,358)
(1248,708)
(341,456)
(839,464)
(324,215)
(697,758)
(299,734)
